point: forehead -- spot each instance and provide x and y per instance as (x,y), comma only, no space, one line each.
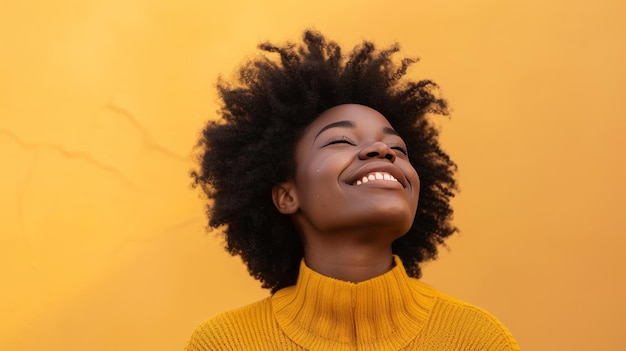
(357,114)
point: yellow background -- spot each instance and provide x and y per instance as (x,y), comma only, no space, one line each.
(102,242)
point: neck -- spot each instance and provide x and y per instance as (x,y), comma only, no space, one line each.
(353,263)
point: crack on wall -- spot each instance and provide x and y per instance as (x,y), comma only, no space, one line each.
(67,154)
(147,138)
(35,148)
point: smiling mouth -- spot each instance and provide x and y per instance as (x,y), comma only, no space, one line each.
(376,176)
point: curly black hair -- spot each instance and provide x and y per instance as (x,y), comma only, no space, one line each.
(264,110)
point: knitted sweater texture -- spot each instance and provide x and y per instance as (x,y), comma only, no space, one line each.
(388,312)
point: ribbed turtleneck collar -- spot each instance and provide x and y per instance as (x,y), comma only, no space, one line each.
(382,313)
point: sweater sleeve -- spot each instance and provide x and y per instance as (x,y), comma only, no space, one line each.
(203,338)
(488,333)
(245,328)
(456,325)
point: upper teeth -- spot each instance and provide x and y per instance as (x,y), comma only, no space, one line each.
(376,176)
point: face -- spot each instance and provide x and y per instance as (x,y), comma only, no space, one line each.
(353,175)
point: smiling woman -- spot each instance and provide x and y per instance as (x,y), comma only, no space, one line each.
(332,155)
(344,223)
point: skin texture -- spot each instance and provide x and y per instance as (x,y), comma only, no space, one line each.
(348,228)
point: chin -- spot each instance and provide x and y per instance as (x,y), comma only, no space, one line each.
(391,216)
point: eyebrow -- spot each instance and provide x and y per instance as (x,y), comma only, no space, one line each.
(339,124)
(349,124)
(391,131)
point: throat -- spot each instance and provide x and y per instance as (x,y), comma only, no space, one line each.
(349,264)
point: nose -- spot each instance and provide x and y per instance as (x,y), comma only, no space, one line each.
(378,150)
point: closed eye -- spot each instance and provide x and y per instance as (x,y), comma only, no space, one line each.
(401,149)
(343,140)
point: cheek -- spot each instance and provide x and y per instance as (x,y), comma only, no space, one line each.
(416,180)
(413,177)
(323,168)
(318,178)
(416,191)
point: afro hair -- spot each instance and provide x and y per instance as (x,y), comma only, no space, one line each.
(265,108)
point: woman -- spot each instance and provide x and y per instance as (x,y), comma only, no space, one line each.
(315,172)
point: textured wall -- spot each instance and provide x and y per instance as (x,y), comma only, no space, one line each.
(102,245)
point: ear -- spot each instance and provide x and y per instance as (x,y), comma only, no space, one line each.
(285,198)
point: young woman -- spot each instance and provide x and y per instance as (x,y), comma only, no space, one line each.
(314,174)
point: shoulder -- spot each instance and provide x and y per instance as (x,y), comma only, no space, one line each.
(230,330)
(465,324)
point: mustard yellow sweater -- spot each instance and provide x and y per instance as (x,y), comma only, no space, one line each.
(388,312)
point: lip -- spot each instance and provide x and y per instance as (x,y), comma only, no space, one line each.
(377,167)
